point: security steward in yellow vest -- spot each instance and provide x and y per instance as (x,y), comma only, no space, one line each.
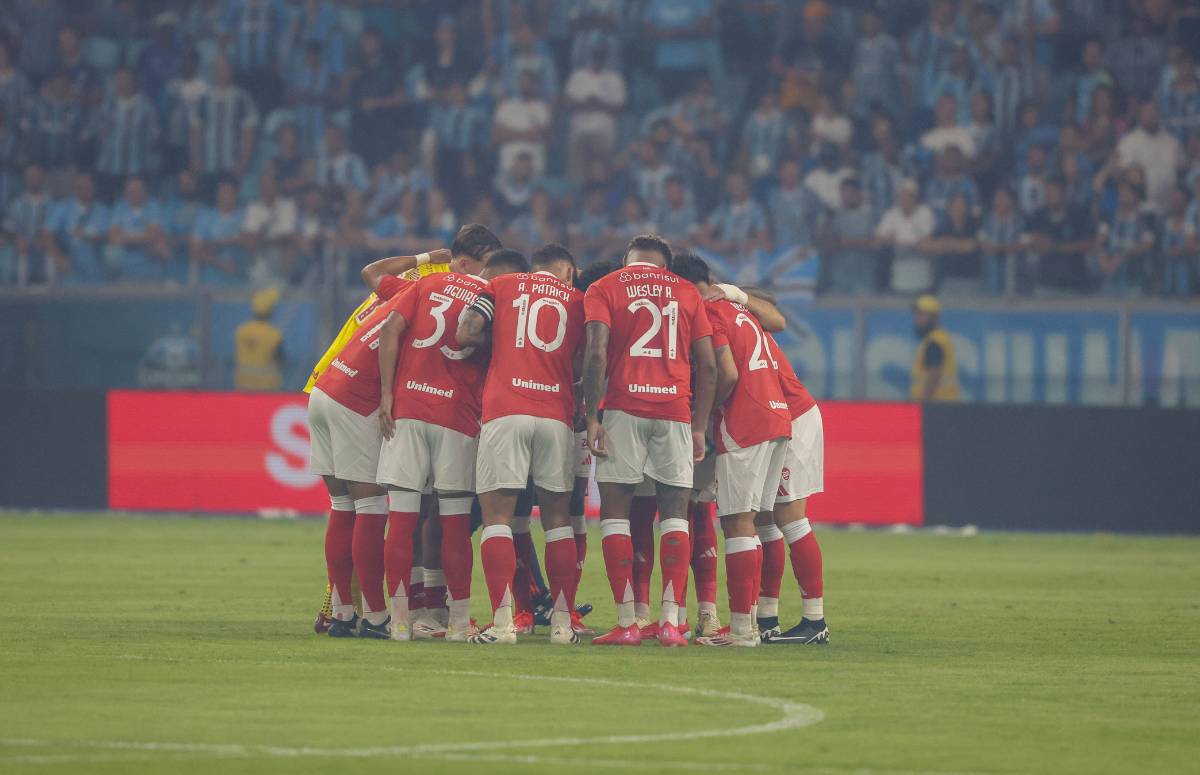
(934,369)
(257,346)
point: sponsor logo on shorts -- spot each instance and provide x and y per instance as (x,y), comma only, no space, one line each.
(778,405)
(529,384)
(349,372)
(785,476)
(661,390)
(421,387)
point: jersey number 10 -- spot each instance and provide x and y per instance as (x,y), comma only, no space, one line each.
(527,321)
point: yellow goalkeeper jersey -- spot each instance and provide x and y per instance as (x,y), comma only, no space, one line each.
(358,316)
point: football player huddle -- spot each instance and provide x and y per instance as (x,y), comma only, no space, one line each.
(474,378)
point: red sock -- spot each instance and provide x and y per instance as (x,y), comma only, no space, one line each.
(806,563)
(456,552)
(618,563)
(398,554)
(675,550)
(526,556)
(641,526)
(774,558)
(704,551)
(499,562)
(367,549)
(562,567)
(741,558)
(339,550)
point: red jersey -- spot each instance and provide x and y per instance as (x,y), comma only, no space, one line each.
(653,317)
(797,396)
(537,326)
(756,410)
(352,378)
(437,381)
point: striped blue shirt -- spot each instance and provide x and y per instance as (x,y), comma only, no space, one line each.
(314,86)
(939,192)
(255,27)
(1180,112)
(14,93)
(135,263)
(53,131)
(738,223)
(794,214)
(80,228)
(26,215)
(675,224)
(128,130)
(216,225)
(459,127)
(764,138)
(880,180)
(221,115)
(345,170)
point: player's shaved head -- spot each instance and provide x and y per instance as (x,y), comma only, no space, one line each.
(504,261)
(692,268)
(556,260)
(594,272)
(649,249)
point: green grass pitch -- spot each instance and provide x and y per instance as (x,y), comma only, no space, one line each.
(182,645)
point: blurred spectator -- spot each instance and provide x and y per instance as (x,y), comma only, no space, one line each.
(848,246)
(877,63)
(589,230)
(398,232)
(650,173)
(631,221)
(14,86)
(138,250)
(764,138)
(337,165)
(949,180)
(379,104)
(269,231)
(1156,151)
(1181,103)
(515,186)
(441,221)
(535,227)
(795,209)
(947,130)
(38,22)
(459,130)
(683,31)
(903,229)
(739,226)
(675,217)
(54,124)
(526,53)
(1094,75)
(223,127)
(595,96)
(1031,187)
(1060,238)
(311,89)
(24,221)
(1177,239)
(75,231)
(391,181)
(1001,237)
(218,251)
(183,95)
(181,212)
(159,62)
(522,124)
(255,29)
(82,79)
(954,249)
(935,367)
(881,167)
(127,128)
(258,346)
(826,180)
(292,170)
(448,62)
(1126,241)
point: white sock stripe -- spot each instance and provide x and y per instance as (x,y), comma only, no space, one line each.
(404,501)
(435,577)
(794,531)
(417,576)
(614,527)
(520,524)
(672,525)
(579,523)
(376,504)
(496,531)
(560,534)
(757,541)
(341,502)
(769,533)
(453,506)
(740,544)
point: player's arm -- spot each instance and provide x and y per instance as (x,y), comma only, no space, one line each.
(389,349)
(375,271)
(727,375)
(935,359)
(475,324)
(705,365)
(760,303)
(595,358)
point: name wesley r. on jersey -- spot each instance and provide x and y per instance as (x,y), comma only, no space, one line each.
(645,291)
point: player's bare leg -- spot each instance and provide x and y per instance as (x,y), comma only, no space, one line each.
(578,508)
(615,501)
(339,561)
(404,509)
(499,558)
(675,553)
(807,565)
(454,509)
(562,563)
(741,580)
(641,527)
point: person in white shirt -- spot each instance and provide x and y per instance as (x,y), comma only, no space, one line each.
(1156,151)
(595,96)
(903,228)
(947,131)
(522,125)
(269,230)
(826,180)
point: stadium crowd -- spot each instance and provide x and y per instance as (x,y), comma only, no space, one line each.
(1047,147)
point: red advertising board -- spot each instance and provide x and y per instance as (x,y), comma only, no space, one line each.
(239,452)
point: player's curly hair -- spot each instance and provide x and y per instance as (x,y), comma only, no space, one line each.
(651,242)
(513,261)
(475,240)
(691,267)
(548,254)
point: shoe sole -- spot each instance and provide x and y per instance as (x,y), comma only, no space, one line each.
(821,639)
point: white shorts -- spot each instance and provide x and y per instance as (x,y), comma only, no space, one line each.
(804,464)
(583,456)
(421,454)
(514,448)
(344,443)
(748,479)
(639,447)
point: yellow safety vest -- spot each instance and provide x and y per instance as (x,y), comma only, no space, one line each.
(947,389)
(256,356)
(358,316)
